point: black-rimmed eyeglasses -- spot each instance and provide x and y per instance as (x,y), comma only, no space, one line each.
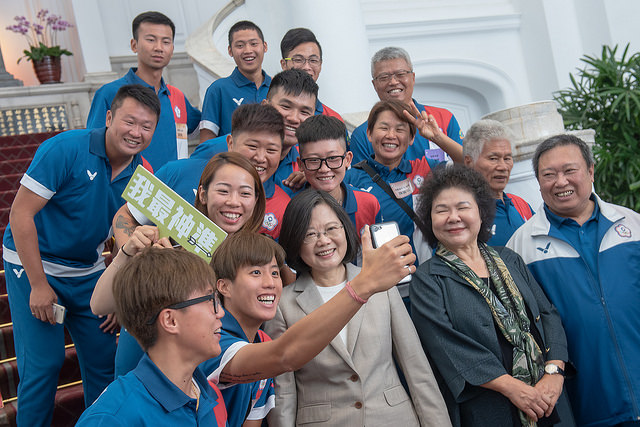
(184,304)
(315,163)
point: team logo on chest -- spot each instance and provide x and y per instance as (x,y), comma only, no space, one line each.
(238,101)
(91,175)
(418,180)
(177,111)
(623,231)
(270,221)
(545,249)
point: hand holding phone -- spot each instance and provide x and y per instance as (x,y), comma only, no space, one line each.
(382,233)
(58,313)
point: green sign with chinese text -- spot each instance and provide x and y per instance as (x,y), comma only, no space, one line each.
(172,214)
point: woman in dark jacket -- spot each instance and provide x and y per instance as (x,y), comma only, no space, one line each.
(493,336)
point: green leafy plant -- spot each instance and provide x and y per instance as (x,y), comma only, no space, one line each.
(41,35)
(605,96)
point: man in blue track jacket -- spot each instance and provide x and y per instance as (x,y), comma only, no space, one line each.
(585,253)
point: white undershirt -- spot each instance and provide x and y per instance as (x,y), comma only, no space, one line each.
(328,292)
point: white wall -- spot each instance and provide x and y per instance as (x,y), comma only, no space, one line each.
(471,56)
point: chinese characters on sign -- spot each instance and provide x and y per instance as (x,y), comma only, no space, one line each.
(20,121)
(172,214)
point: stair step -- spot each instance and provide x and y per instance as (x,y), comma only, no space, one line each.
(70,373)
(68,407)
(18,152)
(7,349)
(10,182)
(4,215)
(5,313)
(8,379)
(6,198)
(8,414)
(26,139)
(14,166)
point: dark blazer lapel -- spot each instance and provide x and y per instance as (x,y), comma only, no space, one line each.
(310,299)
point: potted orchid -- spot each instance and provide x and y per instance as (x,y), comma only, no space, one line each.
(43,50)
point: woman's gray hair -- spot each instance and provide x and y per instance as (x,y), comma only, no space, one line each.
(482,132)
(389,53)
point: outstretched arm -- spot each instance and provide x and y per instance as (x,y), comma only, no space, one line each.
(382,268)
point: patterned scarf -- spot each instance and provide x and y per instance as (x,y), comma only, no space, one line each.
(509,313)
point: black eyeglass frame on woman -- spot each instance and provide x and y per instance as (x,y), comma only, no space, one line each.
(332,162)
(213,297)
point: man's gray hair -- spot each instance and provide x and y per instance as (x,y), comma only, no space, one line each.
(388,53)
(480,133)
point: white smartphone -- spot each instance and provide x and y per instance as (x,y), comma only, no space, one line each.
(383,232)
(58,313)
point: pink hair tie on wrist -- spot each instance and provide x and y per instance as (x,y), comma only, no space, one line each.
(353,294)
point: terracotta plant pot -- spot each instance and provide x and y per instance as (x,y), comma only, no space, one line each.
(48,69)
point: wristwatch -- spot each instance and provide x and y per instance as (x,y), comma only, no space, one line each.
(552,369)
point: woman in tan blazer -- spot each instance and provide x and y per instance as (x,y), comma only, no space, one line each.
(354,380)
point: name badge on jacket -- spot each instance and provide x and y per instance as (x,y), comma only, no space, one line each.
(402,188)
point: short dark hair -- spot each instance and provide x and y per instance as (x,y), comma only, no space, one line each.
(152,18)
(560,140)
(396,107)
(443,177)
(244,25)
(144,95)
(295,37)
(321,127)
(293,82)
(295,222)
(257,118)
(242,249)
(153,280)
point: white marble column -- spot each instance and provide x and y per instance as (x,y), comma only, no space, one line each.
(93,41)
(345,80)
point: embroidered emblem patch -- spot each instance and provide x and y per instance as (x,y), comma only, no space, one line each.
(623,230)
(418,180)
(270,221)
(177,111)
(545,249)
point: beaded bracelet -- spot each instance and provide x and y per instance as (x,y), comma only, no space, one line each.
(353,294)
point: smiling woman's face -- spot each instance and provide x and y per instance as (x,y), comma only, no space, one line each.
(230,198)
(390,138)
(327,252)
(455,218)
